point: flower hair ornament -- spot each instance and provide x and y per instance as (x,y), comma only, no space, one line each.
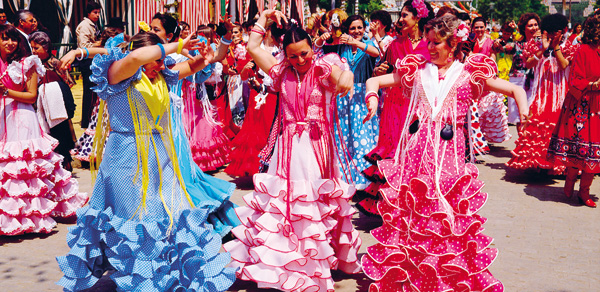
(143,26)
(422,10)
(462,32)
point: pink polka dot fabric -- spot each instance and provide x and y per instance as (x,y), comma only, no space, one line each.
(432,237)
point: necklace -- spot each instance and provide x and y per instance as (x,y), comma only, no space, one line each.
(299,81)
(413,40)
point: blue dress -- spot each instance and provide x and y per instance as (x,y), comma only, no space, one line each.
(206,191)
(151,236)
(357,138)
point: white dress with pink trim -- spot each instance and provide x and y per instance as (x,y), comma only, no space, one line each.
(33,185)
(431,238)
(297,225)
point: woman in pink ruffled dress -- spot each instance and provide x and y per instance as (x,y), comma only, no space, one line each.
(431,236)
(297,225)
(33,185)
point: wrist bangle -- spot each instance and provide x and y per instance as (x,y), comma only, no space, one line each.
(5,93)
(536,57)
(260,27)
(225,41)
(81,57)
(162,51)
(87,53)
(366,47)
(371,94)
(254,30)
(179,46)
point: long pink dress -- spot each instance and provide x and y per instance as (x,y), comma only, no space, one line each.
(297,225)
(33,185)
(393,116)
(431,238)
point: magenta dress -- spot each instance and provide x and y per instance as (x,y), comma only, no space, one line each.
(431,238)
(393,115)
(297,225)
(33,185)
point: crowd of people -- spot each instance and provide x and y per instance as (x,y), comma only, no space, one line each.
(391,115)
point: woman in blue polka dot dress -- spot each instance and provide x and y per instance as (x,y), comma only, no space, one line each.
(358,137)
(141,223)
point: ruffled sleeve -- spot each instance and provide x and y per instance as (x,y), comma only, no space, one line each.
(407,69)
(531,47)
(99,76)
(480,68)
(323,68)
(15,69)
(171,76)
(276,72)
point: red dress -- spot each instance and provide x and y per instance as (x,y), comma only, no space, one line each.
(254,134)
(576,138)
(549,90)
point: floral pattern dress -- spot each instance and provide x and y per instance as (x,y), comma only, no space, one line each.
(576,138)
(431,238)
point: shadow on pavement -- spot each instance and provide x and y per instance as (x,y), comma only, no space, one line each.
(248,286)
(366,223)
(499,151)
(105,284)
(554,194)
(28,236)
(244,183)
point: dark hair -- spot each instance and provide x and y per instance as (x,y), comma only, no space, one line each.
(574,29)
(444,10)
(384,17)
(212,25)
(507,28)
(108,32)
(140,40)
(2,11)
(208,32)
(91,6)
(350,20)
(22,50)
(463,16)
(169,24)
(183,25)
(591,31)
(41,38)
(554,22)
(478,19)
(423,21)
(295,34)
(524,19)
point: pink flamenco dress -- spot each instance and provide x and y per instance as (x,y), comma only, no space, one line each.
(209,144)
(431,238)
(297,225)
(549,89)
(394,109)
(34,186)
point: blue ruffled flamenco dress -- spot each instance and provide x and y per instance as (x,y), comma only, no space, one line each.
(153,242)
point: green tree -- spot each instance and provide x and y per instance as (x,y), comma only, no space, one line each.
(503,10)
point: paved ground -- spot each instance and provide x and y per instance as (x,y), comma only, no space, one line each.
(546,242)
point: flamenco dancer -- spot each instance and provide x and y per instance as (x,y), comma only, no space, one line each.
(297,226)
(141,222)
(553,57)
(431,236)
(33,185)
(575,142)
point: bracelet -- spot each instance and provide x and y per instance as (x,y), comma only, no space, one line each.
(5,93)
(366,47)
(258,32)
(536,57)
(225,41)
(370,94)
(260,27)
(80,58)
(87,53)
(162,51)
(179,46)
